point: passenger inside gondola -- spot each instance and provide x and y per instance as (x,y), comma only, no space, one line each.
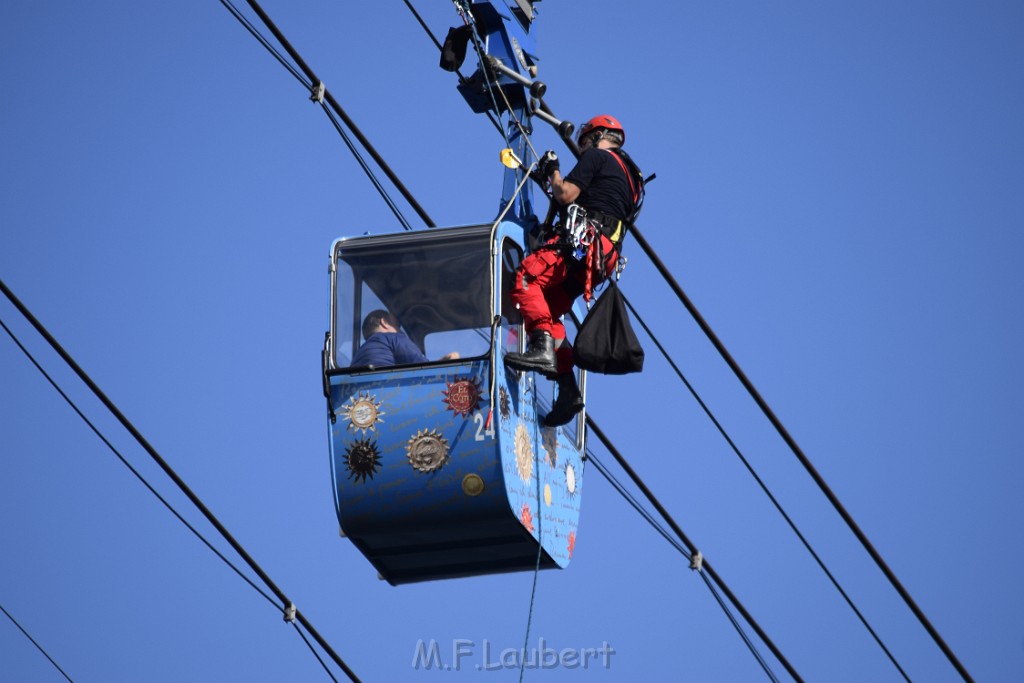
(386,344)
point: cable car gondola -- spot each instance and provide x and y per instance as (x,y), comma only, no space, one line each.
(441,468)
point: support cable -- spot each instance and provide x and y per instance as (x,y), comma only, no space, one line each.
(694,564)
(635,504)
(38,646)
(791,442)
(359,158)
(265,43)
(739,629)
(318,97)
(196,501)
(765,489)
(329,97)
(313,650)
(687,542)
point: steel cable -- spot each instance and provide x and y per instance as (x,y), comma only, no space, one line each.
(179,482)
(688,543)
(38,646)
(646,514)
(764,487)
(308,86)
(95,430)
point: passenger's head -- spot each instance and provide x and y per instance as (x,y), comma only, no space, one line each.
(379,321)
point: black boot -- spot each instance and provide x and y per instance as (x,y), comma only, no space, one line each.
(569,401)
(539,356)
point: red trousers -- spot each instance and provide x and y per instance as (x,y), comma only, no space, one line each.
(547,283)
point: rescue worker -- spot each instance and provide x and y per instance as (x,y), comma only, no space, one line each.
(609,187)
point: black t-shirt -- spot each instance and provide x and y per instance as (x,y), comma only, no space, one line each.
(603,184)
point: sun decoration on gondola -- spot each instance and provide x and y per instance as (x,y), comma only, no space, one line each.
(570,479)
(362,412)
(549,441)
(503,403)
(463,395)
(362,459)
(427,450)
(572,543)
(524,452)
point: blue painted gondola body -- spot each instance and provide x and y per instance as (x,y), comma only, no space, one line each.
(441,469)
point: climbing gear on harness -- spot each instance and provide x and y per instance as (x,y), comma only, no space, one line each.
(620,266)
(583,238)
(539,355)
(568,403)
(612,227)
(579,232)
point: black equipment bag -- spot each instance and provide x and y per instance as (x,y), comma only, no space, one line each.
(605,342)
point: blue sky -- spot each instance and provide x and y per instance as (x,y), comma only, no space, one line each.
(838,192)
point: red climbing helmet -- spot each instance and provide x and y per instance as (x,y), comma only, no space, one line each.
(602,121)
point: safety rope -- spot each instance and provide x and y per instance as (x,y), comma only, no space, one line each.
(540,551)
(469,20)
(592,263)
(515,119)
(512,116)
(497,222)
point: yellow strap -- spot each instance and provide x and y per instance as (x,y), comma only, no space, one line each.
(617,235)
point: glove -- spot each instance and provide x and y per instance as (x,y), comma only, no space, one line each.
(547,164)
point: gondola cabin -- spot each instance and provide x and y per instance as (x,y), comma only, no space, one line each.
(440,466)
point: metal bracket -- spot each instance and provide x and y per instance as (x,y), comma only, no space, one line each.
(697,562)
(537,88)
(289,612)
(316,94)
(325,362)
